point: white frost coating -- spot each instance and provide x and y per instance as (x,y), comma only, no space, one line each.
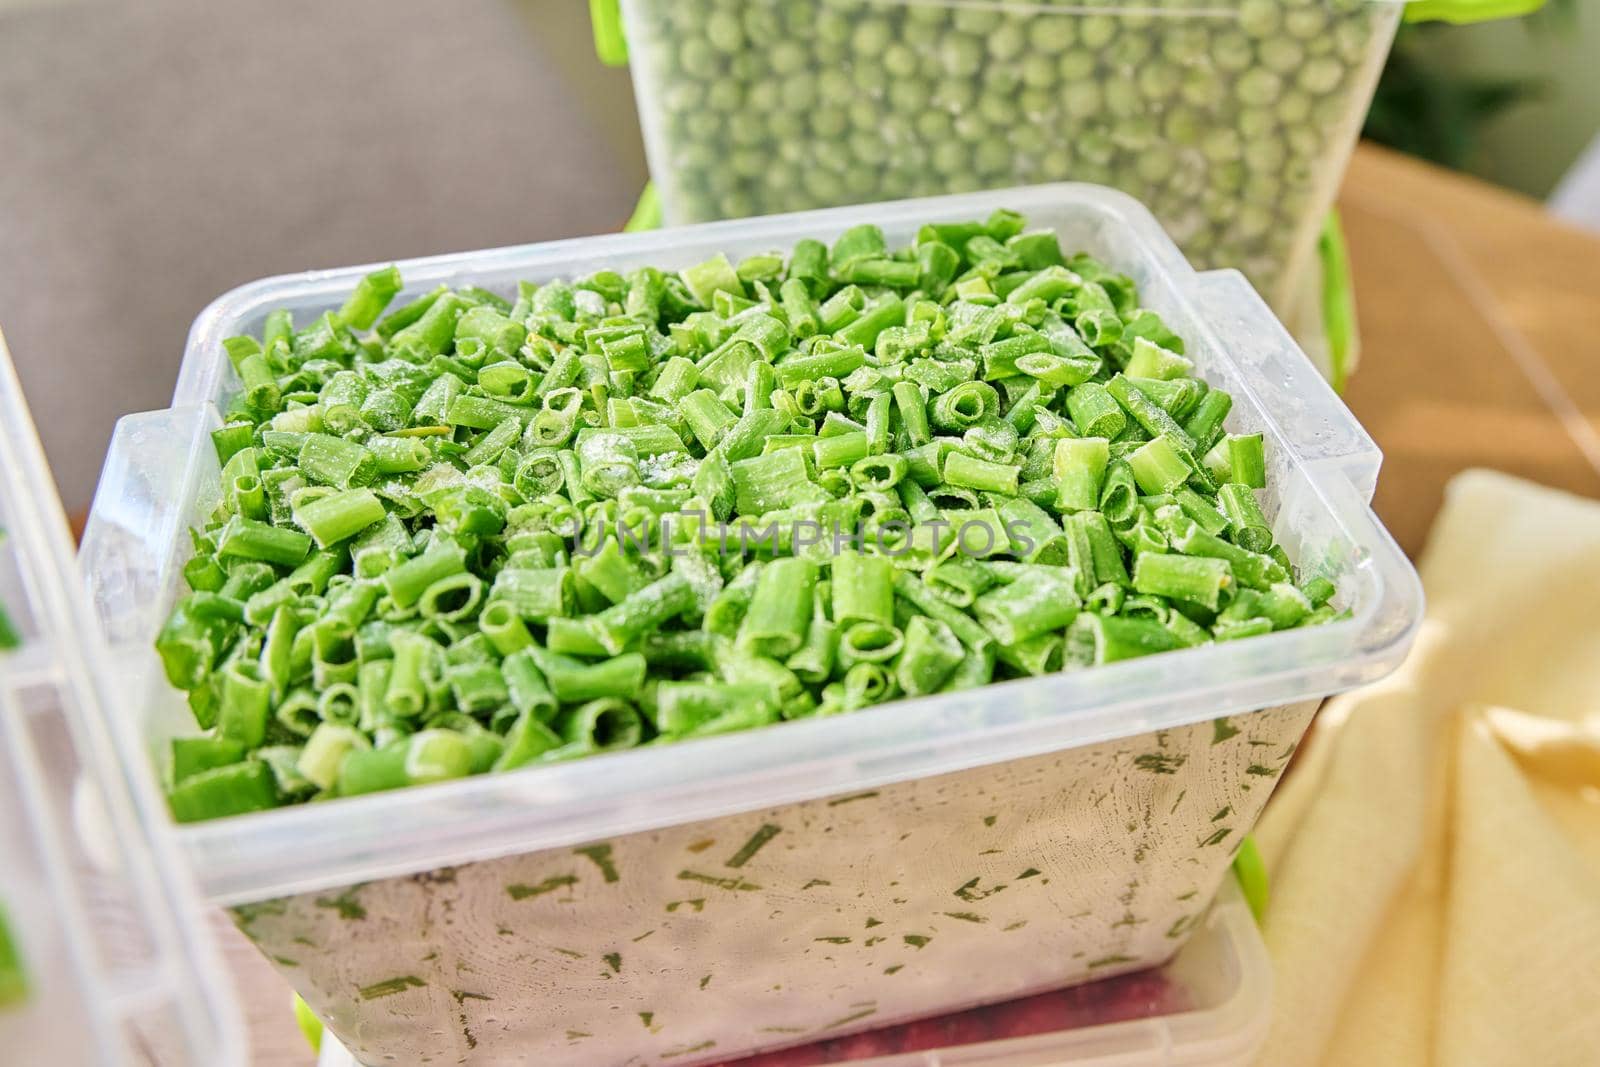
(853,913)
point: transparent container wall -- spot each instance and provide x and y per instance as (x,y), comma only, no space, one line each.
(1232,120)
(1208,1007)
(161,475)
(500,878)
(117,971)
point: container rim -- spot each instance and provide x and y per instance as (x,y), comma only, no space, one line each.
(260,855)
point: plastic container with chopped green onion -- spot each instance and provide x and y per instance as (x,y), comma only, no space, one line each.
(690,902)
(1231,120)
(105,960)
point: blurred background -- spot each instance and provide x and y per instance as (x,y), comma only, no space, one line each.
(159,153)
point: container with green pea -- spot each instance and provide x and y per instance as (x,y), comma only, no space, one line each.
(799,811)
(1231,120)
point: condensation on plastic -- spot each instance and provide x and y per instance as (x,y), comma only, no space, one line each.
(1256,205)
(339,876)
(1222,973)
(119,967)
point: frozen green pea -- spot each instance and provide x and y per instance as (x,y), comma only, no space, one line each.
(1084,100)
(1305,23)
(1056,163)
(1096,147)
(1304,141)
(992,156)
(906,97)
(683,96)
(748,66)
(1183,126)
(899,60)
(1004,79)
(1076,65)
(1007,40)
(997,110)
(1331,111)
(725,95)
(1158,81)
(797,14)
(1281,54)
(736,205)
(1201,88)
(1351,39)
(1229,177)
(724,32)
(1264,154)
(974,20)
(749,163)
(1294,107)
(1256,122)
(763,96)
(697,57)
(761,22)
(1029,141)
(955,96)
(798,95)
(1122,98)
(1320,75)
(1298,173)
(969,126)
(1096,31)
(1156,163)
(933,126)
(961,55)
(1130,50)
(1052,33)
(746,131)
(949,157)
(1136,134)
(1258,87)
(1039,105)
(1260,18)
(822,185)
(1254,220)
(864,115)
(1038,71)
(787,57)
(832,27)
(871,37)
(1232,52)
(834,86)
(1220,143)
(1187,44)
(869,78)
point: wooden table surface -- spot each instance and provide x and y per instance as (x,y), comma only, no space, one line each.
(1480,329)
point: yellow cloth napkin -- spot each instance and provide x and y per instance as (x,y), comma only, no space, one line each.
(1435,856)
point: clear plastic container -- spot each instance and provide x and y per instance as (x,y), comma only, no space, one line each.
(117,968)
(1231,119)
(1209,1006)
(1106,804)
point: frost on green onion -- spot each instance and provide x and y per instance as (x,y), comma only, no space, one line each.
(480,533)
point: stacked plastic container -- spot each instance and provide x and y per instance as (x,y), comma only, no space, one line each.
(112,966)
(1209,1007)
(1231,119)
(606,911)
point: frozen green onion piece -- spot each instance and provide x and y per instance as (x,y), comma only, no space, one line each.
(1246,460)
(1199,579)
(1046,598)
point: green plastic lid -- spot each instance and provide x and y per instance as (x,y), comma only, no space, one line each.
(610,44)
(1462,12)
